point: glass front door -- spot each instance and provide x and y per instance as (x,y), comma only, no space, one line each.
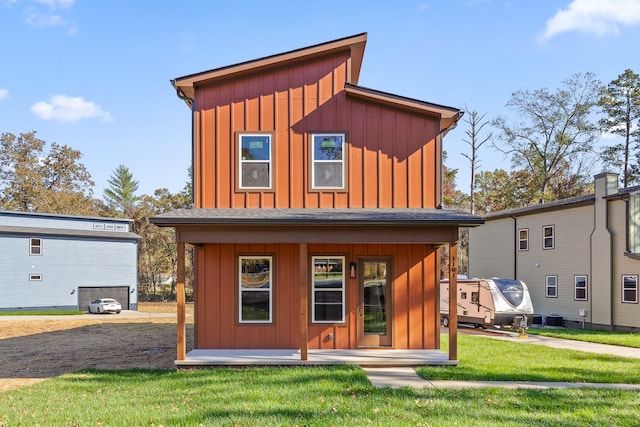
(374,329)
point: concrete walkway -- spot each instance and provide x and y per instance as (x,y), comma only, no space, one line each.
(396,377)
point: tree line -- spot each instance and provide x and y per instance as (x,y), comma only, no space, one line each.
(553,140)
(50,178)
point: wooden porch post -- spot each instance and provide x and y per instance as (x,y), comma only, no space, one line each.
(304,300)
(181,339)
(453,301)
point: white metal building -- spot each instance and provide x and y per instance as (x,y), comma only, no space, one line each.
(65,262)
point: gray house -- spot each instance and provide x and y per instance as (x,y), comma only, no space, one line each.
(65,262)
(580,257)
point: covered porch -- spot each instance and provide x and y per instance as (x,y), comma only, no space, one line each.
(302,227)
(315,357)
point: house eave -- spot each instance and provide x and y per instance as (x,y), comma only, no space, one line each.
(318,217)
(355,45)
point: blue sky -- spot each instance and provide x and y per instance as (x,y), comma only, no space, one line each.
(94,75)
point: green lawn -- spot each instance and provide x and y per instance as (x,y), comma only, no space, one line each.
(41,313)
(626,339)
(483,358)
(339,396)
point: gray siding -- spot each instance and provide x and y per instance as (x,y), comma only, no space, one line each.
(65,264)
(569,257)
(491,249)
(624,314)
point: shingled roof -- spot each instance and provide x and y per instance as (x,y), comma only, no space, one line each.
(356,216)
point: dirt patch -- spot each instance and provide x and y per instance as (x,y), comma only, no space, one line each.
(36,349)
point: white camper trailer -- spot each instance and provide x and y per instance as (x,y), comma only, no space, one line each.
(487,302)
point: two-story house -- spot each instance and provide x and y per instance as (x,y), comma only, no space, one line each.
(316,216)
(580,257)
(51,261)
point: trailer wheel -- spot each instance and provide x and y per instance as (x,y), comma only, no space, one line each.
(445,321)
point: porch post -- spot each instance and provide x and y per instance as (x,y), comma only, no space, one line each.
(453,301)
(181,341)
(304,300)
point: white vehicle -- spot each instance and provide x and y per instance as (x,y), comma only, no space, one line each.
(105,305)
(487,302)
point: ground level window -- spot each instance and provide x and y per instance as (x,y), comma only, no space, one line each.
(551,286)
(328,289)
(255,289)
(580,288)
(630,288)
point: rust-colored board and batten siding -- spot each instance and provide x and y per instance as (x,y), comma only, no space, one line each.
(412,290)
(392,155)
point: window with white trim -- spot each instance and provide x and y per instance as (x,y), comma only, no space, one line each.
(630,288)
(548,237)
(255,161)
(35,277)
(551,286)
(255,289)
(580,288)
(35,246)
(328,289)
(327,161)
(633,224)
(523,239)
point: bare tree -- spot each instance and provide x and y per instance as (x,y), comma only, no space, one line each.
(476,124)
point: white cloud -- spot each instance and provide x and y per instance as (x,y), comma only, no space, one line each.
(54,4)
(65,108)
(4,93)
(597,17)
(38,20)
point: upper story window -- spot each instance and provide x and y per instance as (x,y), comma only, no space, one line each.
(328,170)
(523,239)
(255,154)
(328,289)
(548,237)
(633,224)
(580,288)
(551,283)
(630,288)
(255,289)
(35,246)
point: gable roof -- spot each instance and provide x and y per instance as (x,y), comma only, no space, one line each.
(353,44)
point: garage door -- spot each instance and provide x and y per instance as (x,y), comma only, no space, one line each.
(88,294)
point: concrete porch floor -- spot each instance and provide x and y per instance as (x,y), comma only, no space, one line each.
(361,357)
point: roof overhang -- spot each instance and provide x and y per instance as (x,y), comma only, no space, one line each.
(66,232)
(355,45)
(316,225)
(448,116)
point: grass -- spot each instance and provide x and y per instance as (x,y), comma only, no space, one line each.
(626,339)
(483,358)
(337,396)
(42,313)
(340,395)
